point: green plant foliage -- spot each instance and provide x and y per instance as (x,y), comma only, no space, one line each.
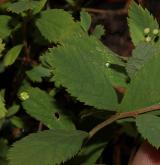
(42,106)
(146,83)
(141,54)
(148,126)
(140,19)
(89,59)
(3,110)
(85,20)
(22,6)
(5,29)
(56,30)
(12,55)
(99,31)
(12,110)
(47,147)
(37,73)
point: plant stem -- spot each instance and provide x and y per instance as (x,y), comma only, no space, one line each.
(122,116)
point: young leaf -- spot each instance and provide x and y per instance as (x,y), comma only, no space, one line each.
(56,30)
(141,54)
(13,110)
(149,128)
(47,147)
(140,19)
(144,89)
(5,30)
(37,73)
(99,31)
(39,6)
(22,6)
(42,106)
(85,57)
(85,20)
(12,55)
(3,110)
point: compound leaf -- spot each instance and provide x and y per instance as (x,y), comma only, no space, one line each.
(47,147)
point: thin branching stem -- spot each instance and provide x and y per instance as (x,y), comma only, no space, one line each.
(122,115)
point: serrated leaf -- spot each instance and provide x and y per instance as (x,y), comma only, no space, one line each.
(3,110)
(42,107)
(50,147)
(37,73)
(5,30)
(12,55)
(144,89)
(81,68)
(149,128)
(56,30)
(99,31)
(22,6)
(85,20)
(141,54)
(138,20)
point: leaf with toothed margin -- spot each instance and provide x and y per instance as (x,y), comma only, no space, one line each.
(149,127)
(41,106)
(56,30)
(47,147)
(80,66)
(138,20)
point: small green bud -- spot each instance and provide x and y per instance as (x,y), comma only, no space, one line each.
(146,30)
(155,31)
(24,96)
(148,39)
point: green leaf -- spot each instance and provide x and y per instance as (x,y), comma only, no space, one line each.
(39,6)
(5,30)
(149,128)
(99,31)
(37,73)
(47,147)
(144,88)
(13,110)
(141,54)
(12,55)
(80,66)
(17,121)
(138,20)
(22,6)
(90,153)
(3,110)
(56,30)
(85,20)
(71,2)
(42,106)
